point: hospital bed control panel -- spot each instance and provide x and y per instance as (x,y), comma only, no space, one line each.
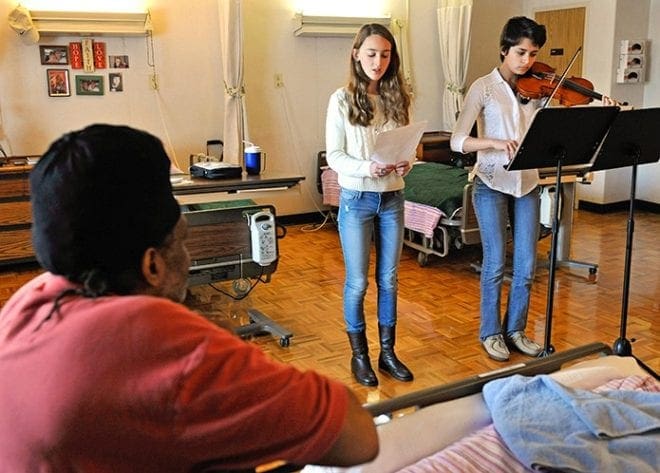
(262,230)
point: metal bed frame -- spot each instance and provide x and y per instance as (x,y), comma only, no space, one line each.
(459,229)
(230,260)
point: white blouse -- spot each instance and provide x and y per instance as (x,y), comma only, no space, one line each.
(500,115)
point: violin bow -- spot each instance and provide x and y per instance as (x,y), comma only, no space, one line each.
(563,77)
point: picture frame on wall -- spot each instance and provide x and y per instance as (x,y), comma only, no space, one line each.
(89,85)
(115,82)
(58,82)
(54,55)
(118,62)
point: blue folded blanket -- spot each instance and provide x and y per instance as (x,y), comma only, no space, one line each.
(547,425)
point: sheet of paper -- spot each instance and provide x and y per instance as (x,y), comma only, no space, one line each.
(397,145)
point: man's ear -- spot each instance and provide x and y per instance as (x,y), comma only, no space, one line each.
(153,267)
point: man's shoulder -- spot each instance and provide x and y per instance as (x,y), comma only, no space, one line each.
(145,307)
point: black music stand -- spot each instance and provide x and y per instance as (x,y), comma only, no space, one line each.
(564,139)
(632,140)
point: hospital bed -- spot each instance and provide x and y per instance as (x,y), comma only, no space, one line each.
(438,211)
(246,255)
(456,427)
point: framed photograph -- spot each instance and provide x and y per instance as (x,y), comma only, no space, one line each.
(115,82)
(89,85)
(118,62)
(58,82)
(54,54)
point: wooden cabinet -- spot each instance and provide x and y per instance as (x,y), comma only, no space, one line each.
(15,213)
(434,146)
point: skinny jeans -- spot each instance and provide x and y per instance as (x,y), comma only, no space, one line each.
(495,210)
(363,217)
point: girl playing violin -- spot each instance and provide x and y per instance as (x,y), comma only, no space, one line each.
(503,197)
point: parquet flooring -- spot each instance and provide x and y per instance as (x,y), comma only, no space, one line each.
(438,304)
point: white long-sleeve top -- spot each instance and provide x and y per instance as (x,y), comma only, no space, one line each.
(349,147)
(499,114)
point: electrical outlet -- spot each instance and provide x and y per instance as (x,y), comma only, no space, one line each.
(279,80)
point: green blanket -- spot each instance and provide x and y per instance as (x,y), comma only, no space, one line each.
(229,204)
(437,185)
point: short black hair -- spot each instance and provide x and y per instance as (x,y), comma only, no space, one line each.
(516,29)
(100,197)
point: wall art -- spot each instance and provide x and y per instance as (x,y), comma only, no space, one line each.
(58,82)
(89,85)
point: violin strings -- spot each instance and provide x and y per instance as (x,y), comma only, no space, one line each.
(569,84)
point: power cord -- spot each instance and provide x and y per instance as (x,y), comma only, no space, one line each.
(313,227)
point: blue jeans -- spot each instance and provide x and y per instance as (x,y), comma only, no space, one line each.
(361,216)
(494,211)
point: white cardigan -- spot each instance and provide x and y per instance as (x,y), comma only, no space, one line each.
(349,147)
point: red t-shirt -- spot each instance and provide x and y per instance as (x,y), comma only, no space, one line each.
(140,383)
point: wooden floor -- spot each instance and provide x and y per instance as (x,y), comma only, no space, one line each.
(438,304)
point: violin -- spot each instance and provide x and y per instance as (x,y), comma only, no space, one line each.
(540,81)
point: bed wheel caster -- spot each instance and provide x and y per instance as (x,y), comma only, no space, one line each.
(284,342)
(241,286)
(422,259)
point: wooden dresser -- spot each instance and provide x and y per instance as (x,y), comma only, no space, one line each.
(15,213)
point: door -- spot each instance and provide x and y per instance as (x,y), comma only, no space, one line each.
(565,31)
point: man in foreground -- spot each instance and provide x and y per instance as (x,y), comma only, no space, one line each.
(104,370)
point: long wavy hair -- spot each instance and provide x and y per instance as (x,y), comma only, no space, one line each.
(392,89)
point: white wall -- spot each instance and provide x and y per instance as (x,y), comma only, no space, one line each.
(631,23)
(649,174)
(488,18)
(608,22)
(187,107)
(287,122)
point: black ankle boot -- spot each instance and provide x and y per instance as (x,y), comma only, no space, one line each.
(387,361)
(360,363)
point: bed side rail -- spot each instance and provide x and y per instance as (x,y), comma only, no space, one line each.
(474,384)
(466,387)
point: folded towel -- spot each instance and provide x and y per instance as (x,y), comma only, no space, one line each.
(548,425)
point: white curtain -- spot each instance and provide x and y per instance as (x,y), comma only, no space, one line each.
(454,35)
(231,43)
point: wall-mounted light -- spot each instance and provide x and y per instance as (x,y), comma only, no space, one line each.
(91,23)
(345,26)
(31,24)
